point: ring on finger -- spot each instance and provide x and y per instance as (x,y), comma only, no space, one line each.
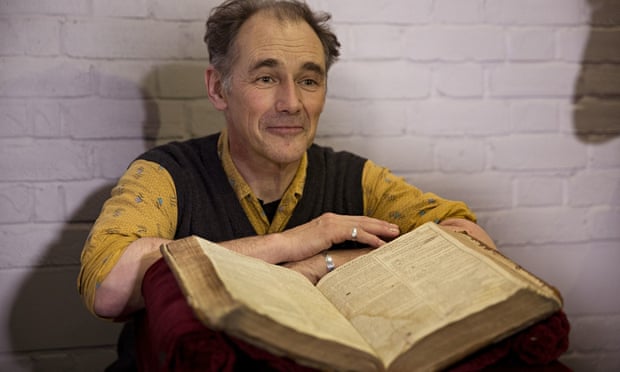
(354,234)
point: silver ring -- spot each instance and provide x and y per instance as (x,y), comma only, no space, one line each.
(329,262)
(354,233)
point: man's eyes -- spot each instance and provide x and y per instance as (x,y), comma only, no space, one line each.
(309,82)
(265,79)
(304,82)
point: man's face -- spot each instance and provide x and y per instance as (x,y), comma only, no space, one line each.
(276,93)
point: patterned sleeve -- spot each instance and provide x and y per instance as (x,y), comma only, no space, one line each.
(391,198)
(143,204)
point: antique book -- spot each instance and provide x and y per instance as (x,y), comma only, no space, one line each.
(420,302)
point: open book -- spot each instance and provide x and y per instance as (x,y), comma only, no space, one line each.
(420,302)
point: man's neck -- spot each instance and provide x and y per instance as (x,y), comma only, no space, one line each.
(268,181)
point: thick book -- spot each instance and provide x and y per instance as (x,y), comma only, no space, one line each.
(420,302)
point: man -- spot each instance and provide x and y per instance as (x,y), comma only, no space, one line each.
(260,187)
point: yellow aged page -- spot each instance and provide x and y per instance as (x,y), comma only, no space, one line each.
(413,286)
(283,295)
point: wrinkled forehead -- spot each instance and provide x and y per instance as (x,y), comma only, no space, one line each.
(267,35)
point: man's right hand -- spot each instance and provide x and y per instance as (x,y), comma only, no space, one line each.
(312,238)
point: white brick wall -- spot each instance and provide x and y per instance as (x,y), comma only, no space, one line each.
(510,105)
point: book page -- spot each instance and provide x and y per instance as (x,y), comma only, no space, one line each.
(413,286)
(283,295)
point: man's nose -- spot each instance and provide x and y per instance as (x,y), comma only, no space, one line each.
(288,97)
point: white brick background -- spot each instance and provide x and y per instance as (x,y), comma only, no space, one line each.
(510,105)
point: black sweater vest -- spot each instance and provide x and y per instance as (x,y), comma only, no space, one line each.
(208,206)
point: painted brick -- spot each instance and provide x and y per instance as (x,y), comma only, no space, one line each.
(126,79)
(458,11)
(83,200)
(454,118)
(382,118)
(597,275)
(46,118)
(549,79)
(120,8)
(605,12)
(13,119)
(169,121)
(41,244)
(536,257)
(462,80)
(592,361)
(365,40)
(31,36)
(378,118)
(542,224)
(534,116)
(571,43)
(392,12)
(460,155)
(531,44)
(603,45)
(129,38)
(49,202)
(186,10)
(100,118)
(596,116)
(606,155)
(204,119)
(346,82)
(532,11)
(340,117)
(66,322)
(540,191)
(480,191)
(182,80)
(111,158)
(530,152)
(43,160)
(58,7)
(414,154)
(16,203)
(605,222)
(27,77)
(592,188)
(581,271)
(601,80)
(595,332)
(29,118)
(466,43)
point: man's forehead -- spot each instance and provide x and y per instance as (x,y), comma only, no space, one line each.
(265,39)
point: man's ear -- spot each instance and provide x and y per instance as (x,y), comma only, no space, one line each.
(215,88)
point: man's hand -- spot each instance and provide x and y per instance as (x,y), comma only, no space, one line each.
(315,267)
(314,237)
(329,229)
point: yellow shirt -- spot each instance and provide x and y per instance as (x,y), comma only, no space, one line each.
(143,204)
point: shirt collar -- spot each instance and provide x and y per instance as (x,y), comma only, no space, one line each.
(241,187)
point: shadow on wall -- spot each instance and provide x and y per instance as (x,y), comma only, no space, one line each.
(596,110)
(50,327)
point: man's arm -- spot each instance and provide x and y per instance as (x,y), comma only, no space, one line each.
(119,294)
(465,226)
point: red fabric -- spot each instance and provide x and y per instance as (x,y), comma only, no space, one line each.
(538,345)
(171,338)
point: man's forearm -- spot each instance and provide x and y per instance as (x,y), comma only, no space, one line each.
(120,292)
(469,227)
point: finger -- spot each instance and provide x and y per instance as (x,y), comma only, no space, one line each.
(379,227)
(362,236)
